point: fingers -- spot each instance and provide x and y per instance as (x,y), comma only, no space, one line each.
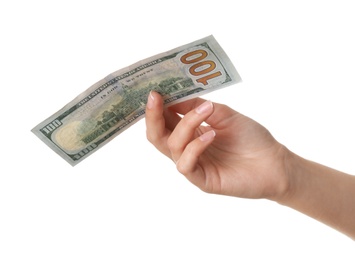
(185,130)
(186,106)
(177,137)
(220,111)
(188,161)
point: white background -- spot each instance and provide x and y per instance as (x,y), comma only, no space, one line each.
(127,201)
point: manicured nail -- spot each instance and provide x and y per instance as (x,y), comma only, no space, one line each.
(208,136)
(204,107)
(150,102)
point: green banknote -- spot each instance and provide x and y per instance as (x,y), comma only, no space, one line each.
(116,102)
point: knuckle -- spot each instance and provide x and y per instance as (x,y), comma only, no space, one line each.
(185,163)
(181,167)
(206,190)
(152,138)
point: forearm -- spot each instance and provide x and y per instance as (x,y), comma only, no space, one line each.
(322,193)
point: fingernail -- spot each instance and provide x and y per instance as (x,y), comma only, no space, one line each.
(150,102)
(208,136)
(204,107)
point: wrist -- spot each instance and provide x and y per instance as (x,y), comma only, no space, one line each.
(320,192)
(291,171)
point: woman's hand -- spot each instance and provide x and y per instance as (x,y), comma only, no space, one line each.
(229,154)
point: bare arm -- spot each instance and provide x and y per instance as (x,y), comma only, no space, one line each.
(236,156)
(322,193)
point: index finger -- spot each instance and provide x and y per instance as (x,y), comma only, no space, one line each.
(186,106)
(220,112)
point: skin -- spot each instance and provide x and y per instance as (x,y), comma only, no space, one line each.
(231,154)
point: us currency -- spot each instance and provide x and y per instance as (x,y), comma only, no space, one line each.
(116,102)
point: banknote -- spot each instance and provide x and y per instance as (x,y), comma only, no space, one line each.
(116,102)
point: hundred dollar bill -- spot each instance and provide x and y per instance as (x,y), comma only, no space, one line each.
(116,102)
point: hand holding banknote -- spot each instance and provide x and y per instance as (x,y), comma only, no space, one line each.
(118,101)
(236,156)
(230,154)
